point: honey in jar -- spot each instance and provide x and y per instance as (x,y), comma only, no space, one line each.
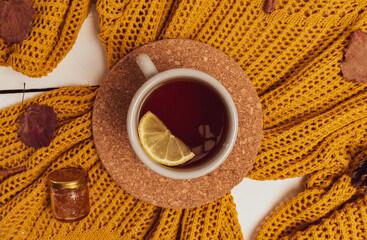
(69,194)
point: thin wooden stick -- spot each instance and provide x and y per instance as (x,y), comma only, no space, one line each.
(23,93)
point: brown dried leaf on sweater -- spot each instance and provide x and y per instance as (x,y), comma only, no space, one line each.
(359,176)
(354,66)
(37,126)
(16,17)
(270,6)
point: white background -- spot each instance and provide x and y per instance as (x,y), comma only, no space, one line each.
(86,64)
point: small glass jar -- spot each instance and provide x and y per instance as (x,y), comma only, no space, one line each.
(69,194)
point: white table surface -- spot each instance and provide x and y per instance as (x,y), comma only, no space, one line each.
(86,64)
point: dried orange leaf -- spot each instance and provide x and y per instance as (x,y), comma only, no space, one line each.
(354,66)
(37,126)
(16,17)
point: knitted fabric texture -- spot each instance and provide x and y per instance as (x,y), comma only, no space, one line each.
(25,211)
(314,125)
(314,121)
(56,25)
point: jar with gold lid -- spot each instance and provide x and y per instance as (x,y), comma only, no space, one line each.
(69,194)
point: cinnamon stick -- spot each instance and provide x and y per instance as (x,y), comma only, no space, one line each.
(7,172)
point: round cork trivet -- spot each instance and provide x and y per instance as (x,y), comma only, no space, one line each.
(119,159)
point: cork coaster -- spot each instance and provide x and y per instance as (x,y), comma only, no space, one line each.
(119,159)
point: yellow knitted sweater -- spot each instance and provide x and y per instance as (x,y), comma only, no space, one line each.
(315,124)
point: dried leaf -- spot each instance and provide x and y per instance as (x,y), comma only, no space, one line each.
(16,17)
(354,66)
(37,126)
(359,176)
(270,6)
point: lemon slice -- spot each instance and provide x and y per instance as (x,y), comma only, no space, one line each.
(160,144)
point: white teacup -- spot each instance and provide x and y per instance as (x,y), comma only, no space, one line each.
(154,79)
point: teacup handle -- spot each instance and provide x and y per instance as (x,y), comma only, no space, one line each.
(146,66)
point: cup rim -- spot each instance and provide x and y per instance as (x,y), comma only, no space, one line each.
(187,172)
